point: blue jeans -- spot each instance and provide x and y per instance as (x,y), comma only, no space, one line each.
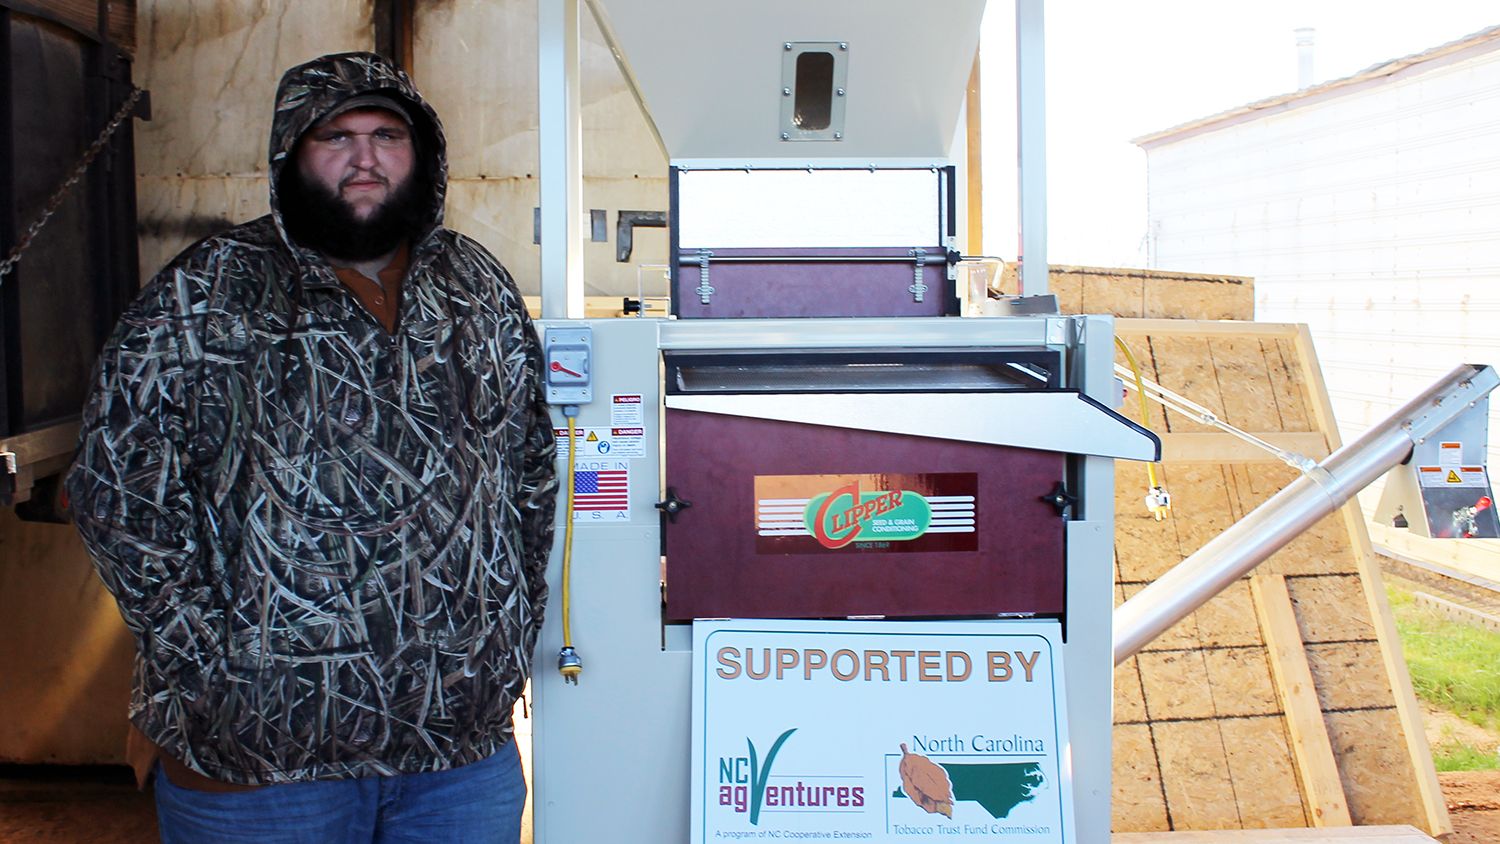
(480,802)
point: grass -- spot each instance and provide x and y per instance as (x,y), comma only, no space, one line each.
(1462,756)
(1456,667)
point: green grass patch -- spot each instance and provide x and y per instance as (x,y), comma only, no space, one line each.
(1462,756)
(1453,665)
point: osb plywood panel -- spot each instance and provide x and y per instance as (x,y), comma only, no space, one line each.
(1228,620)
(1226,739)
(1176,685)
(1181,636)
(1138,803)
(1249,397)
(1204,297)
(1152,294)
(1130,699)
(1373,764)
(1391,834)
(1331,608)
(1289,386)
(1195,775)
(1260,766)
(1184,366)
(1200,504)
(1348,675)
(1240,682)
(1322,549)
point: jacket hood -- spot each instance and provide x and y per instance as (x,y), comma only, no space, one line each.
(309,91)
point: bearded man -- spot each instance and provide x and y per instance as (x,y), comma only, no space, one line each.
(316,472)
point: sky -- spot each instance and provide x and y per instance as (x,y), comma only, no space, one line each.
(1119,69)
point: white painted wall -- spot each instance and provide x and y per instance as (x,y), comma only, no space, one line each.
(1373,216)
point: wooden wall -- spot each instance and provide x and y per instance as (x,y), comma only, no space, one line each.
(1142,293)
(1284,701)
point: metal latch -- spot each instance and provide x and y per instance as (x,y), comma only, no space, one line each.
(8,478)
(704,290)
(918,287)
(1060,498)
(672,505)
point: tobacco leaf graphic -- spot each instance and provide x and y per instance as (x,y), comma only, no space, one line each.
(926,783)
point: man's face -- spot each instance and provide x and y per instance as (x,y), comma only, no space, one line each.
(362,157)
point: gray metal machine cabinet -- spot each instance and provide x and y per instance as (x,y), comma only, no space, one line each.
(816,451)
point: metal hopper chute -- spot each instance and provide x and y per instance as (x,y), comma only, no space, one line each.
(789,80)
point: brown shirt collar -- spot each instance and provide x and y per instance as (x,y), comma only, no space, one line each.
(382,300)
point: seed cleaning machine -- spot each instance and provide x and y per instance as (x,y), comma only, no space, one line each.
(839,563)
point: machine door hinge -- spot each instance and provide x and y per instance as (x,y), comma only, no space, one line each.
(704,290)
(918,287)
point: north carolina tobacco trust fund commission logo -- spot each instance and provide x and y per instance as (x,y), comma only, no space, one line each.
(950,773)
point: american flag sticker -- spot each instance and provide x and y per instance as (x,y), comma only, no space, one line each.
(601,486)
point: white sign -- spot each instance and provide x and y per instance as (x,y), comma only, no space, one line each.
(879,731)
(625,410)
(619,442)
(1473,477)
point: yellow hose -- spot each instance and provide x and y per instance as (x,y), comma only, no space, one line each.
(567,575)
(568,662)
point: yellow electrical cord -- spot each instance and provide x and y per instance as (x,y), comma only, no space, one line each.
(1157,501)
(568,662)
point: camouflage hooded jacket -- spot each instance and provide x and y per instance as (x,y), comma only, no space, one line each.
(328,540)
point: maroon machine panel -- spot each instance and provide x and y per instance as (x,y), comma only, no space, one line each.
(789,520)
(773,283)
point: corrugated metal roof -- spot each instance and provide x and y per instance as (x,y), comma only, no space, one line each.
(1482,41)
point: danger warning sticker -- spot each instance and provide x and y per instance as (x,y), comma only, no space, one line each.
(1452,476)
(625,409)
(620,442)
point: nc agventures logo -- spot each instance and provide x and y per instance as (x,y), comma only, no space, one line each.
(744,786)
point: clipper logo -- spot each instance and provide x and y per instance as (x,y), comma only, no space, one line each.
(744,786)
(866,513)
(846,515)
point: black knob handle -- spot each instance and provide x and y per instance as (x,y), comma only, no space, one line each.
(672,505)
(630,306)
(1060,498)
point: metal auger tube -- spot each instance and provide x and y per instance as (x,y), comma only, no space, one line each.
(1269,527)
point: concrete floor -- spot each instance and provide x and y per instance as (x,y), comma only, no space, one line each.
(46,804)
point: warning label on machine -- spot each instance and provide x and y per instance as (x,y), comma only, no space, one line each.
(603,442)
(625,410)
(1460,476)
(893,513)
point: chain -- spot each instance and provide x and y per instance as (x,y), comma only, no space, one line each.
(83,165)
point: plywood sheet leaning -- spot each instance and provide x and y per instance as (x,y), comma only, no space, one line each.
(1141,293)
(1284,701)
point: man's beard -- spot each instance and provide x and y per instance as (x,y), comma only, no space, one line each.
(319,218)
